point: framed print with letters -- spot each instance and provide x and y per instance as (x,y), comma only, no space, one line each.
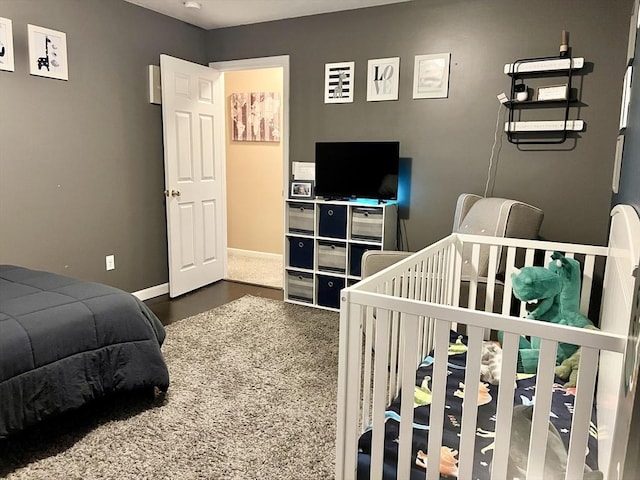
(383,76)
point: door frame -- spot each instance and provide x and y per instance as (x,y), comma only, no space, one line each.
(279,61)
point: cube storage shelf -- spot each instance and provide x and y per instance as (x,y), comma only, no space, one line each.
(324,244)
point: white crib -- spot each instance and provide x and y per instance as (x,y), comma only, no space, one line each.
(392,320)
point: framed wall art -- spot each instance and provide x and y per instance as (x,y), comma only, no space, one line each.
(617,164)
(338,83)
(633,32)
(431,75)
(626,97)
(255,117)
(383,76)
(6,45)
(47,53)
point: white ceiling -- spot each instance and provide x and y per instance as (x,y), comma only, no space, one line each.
(228,13)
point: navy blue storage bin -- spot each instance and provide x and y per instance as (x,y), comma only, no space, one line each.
(329,290)
(301,252)
(333,221)
(355,258)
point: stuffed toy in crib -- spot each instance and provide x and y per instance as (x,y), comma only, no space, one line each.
(568,370)
(552,295)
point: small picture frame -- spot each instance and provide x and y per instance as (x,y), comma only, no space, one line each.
(301,189)
(553,92)
(47,53)
(6,45)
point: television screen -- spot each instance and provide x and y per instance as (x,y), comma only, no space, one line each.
(357,170)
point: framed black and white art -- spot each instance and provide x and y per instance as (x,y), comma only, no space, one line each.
(338,84)
(383,75)
(6,45)
(47,53)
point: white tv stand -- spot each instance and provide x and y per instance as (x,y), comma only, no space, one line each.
(324,243)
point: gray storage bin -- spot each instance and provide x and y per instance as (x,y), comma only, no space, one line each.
(332,256)
(300,218)
(300,286)
(366,223)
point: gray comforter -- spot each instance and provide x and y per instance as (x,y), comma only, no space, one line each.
(65,342)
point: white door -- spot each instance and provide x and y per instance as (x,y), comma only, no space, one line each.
(194,174)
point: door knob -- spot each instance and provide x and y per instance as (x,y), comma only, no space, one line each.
(175,193)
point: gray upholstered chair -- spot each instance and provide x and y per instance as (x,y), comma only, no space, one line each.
(476,215)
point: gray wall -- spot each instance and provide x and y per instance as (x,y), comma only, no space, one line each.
(81,172)
(81,162)
(449,140)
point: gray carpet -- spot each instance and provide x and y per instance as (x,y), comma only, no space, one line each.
(252,396)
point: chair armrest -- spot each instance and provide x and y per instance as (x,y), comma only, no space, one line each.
(375,260)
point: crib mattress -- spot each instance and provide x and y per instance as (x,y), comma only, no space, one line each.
(524,394)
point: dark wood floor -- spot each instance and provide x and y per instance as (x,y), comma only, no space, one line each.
(171,310)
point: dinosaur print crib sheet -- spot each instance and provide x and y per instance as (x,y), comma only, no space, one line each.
(524,394)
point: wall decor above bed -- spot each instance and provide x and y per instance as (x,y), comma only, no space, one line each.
(6,45)
(47,53)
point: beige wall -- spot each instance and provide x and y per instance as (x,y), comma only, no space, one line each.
(254,174)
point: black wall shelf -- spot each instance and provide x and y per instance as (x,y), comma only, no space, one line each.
(541,67)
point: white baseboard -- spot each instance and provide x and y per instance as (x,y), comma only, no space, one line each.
(252,253)
(158,290)
(152,292)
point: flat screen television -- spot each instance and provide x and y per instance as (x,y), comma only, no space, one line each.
(347,170)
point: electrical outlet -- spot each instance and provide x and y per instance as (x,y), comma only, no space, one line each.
(111,262)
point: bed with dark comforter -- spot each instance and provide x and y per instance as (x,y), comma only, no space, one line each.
(65,342)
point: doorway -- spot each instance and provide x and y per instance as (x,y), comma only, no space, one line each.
(256,175)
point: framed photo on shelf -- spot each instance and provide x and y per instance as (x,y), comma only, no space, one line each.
(6,45)
(382,79)
(553,92)
(47,53)
(431,75)
(301,189)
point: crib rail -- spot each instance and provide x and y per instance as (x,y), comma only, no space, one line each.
(392,320)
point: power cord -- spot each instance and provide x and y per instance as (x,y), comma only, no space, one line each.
(495,141)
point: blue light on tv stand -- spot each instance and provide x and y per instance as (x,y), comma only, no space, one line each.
(362,201)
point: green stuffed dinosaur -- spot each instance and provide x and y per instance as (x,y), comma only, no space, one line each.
(552,295)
